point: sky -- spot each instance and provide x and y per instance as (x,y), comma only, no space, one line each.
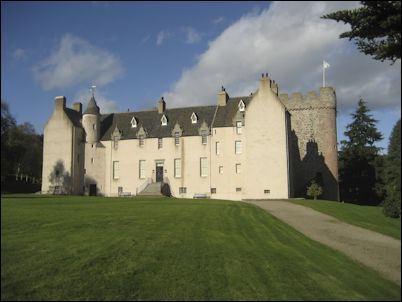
(136,52)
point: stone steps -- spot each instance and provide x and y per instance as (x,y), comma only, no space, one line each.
(153,189)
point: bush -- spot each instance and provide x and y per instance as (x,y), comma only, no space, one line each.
(314,190)
(392,208)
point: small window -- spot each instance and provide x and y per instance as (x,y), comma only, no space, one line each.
(164,120)
(94,126)
(176,138)
(238,168)
(177,168)
(182,190)
(92,160)
(220,169)
(116,170)
(213,190)
(194,118)
(204,137)
(133,122)
(238,189)
(203,167)
(142,169)
(267,191)
(141,140)
(218,148)
(115,142)
(238,127)
(242,106)
(160,143)
(238,147)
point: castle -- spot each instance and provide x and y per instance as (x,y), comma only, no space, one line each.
(263,146)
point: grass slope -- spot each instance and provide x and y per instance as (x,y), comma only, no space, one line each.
(83,248)
(367,217)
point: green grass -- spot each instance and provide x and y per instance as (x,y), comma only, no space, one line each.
(87,248)
(367,217)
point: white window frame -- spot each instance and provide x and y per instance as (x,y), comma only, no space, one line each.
(238,168)
(204,137)
(116,169)
(238,147)
(194,118)
(115,142)
(160,143)
(141,139)
(217,148)
(220,170)
(239,126)
(141,169)
(164,120)
(242,106)
(133,122)
(177,168)
(177,138)
(203,166)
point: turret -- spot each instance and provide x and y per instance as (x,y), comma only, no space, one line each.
(91,121)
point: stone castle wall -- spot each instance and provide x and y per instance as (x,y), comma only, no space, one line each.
(313,140)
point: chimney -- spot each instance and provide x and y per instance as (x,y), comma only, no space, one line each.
(161,105)
(77,107)
(265,81)
(222,97)
(275,87)
(60,103)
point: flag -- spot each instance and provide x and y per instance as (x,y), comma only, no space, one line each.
(325,64)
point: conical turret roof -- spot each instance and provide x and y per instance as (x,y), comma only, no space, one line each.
(92,107)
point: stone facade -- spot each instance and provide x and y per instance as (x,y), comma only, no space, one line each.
(262,146)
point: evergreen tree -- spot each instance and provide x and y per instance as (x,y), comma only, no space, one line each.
(376,27)
(392,204)
(314,190)
(358,158)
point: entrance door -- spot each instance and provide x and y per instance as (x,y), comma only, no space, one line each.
(159,174)
(92,190)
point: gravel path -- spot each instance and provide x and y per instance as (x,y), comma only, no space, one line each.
(377,251)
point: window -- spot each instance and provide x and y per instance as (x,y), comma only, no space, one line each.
(133,122)
(213,190)
(160,143)
(238,189)
(142,169)
(182,190)
(204,137)
(141,140)
(116,170)
(203,167)
(193,118)
(176,138)
(92,160)
(177,168)
(94,126)
(218,148)
(164,120)
(238,147)
(267,191)
(115,142)
(238,127)
(238,168)
(220,169)
(241,105)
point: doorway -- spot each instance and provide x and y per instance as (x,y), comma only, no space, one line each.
(159,172)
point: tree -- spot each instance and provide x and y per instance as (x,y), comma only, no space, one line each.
(358,158)
(314,190)
(392,204)
(7,124)
(376,27)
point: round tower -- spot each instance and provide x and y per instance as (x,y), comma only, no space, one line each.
(91,121)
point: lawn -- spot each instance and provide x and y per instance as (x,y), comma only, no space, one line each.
(367,217)
(88,248)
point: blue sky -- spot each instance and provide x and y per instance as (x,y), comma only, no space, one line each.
(135,52)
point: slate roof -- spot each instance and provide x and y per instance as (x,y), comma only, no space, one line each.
(151,120)
(92,107)
(74,116)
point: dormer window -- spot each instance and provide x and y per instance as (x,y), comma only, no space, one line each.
(194,118)
(133,122)
(164,120)
(242,106)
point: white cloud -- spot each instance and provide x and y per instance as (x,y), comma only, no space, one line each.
(75,62)
(162,36)
(289,40)
(218,20)
(105,104)
(19,54)
(192,36)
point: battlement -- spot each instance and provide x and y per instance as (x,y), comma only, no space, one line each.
(326,98)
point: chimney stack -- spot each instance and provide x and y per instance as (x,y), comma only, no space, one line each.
(222,97)
(60,103)
(161,105)
(77,107)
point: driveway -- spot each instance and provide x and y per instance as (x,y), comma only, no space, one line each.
(377,251)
